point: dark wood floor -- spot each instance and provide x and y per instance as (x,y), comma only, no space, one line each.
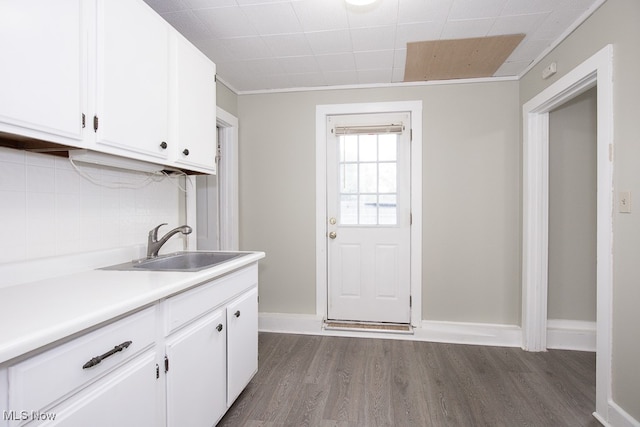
(333,381)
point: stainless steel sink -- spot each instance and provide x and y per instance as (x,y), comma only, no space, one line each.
(179,261)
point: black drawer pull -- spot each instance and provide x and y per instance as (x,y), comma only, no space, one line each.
(237,313)
(98,359)
(219,327)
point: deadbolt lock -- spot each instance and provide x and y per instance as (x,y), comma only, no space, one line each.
(332,221)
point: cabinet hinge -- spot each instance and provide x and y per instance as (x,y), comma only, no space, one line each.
(84,121)
(157,371)
(95,123)
(166,364)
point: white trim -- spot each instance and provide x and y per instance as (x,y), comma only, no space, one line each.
(322,111)
(571,335)
(228,184)
(618,417)
(597,70)
(432,331)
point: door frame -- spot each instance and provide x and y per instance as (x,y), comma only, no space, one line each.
(322,111)
(596,71)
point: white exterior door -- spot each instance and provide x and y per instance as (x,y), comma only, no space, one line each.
(368,217)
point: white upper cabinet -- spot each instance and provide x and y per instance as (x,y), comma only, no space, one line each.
(132,68)
(193,96)
(43,72)
(108,75)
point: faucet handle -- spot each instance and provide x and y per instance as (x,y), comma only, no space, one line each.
(153,234)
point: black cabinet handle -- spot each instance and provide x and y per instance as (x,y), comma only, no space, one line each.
(185,152)
(219,327)
(237,313)
(163,145)
(96,360)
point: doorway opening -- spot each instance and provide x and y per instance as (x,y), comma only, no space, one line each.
(596,71)
(217,195)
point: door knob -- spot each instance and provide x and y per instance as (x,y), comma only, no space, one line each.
(333,235)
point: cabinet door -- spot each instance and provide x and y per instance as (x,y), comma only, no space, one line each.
(132,79)
(196,376)
(194,97)
(242,341)
(127,397)
(43,72)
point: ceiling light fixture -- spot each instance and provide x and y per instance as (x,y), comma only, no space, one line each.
(360,2)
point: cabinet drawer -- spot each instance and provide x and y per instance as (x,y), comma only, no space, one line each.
(43,379)
(194,303)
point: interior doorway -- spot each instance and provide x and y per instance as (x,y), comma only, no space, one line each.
(217,195)
(596,71)
(571,302)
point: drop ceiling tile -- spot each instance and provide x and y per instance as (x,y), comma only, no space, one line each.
(528,50)
(321,15)
(299,64)
(163,6)
(423,10)
(272,18)
(374,76)
(278,81)
(263,66)
(288,44)
(417,32)
(323,42)
(474,9)
(226,22)
(215,49)
(308,80)
(337,78)
(511,68)
(517,24)
(556,23)
(467,28)
(397,75)
(373,60)
(379,14)
(206,4)
(336,62)
(520,7)
(187,24)
(373,38)
(247,48)
(399,58)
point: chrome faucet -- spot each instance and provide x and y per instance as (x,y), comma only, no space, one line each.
(154,245)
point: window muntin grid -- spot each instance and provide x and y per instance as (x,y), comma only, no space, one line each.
(368,187)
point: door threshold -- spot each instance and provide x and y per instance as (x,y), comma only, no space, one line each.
(346,325)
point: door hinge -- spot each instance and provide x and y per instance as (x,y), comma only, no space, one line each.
(84,121)
(410,218)
(410,301)
(95,123)
(157,371)
(410,135)
(166,363)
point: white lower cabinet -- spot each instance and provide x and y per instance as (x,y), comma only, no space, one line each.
(196,372)
(181,362)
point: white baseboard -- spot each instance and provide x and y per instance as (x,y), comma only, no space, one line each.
(571,335)
(428,330)
(618,417)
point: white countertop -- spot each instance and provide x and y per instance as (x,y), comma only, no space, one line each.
(41,312)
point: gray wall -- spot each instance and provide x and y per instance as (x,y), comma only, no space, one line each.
(572,209)
(226,99)
(471,196)
(616,22)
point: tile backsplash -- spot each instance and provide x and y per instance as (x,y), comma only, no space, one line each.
(47,208)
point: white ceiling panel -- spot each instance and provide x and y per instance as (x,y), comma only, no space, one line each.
(283,44)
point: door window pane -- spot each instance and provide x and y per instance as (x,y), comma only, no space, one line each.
(368,178)
(349,178)
(387,210)
(387,148)
(349,148)
(368,210)
(387,178)
(348,210)
(368,148)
